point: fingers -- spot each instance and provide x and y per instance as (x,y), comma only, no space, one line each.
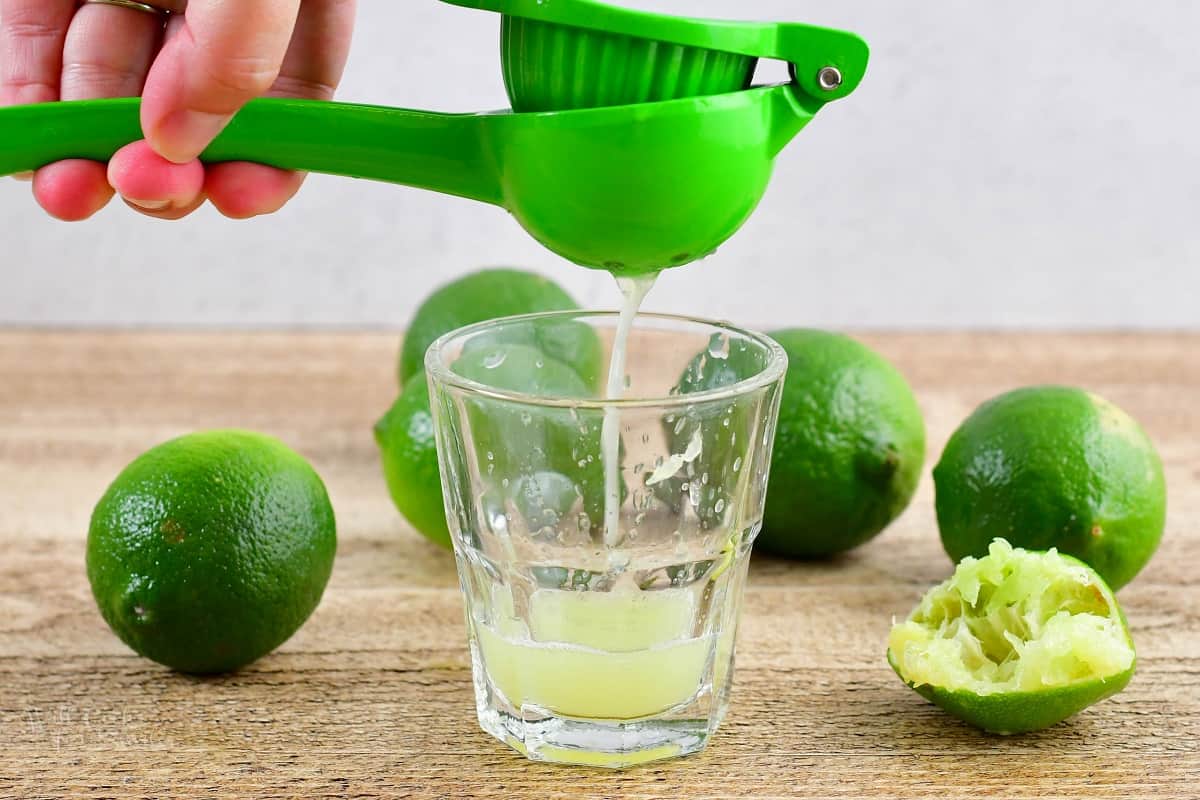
(240,190)
(151,184)
(317,55)
(222,54)
(225,53)
(107,53)
(72,190)
(31,44)
(32,33)
(312,69)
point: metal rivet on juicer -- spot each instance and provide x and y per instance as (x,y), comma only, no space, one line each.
(829,78)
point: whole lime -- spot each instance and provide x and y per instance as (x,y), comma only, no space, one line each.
(209,551)
(491,294)
(848,451)
(1015,641)
(408,449)
(515,442)
(1053,466)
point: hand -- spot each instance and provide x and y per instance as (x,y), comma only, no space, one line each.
(193,74)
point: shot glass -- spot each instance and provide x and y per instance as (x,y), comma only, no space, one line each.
(602,544)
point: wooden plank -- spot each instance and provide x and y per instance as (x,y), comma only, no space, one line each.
(373,698)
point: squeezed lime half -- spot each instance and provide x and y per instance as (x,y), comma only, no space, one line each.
(1015,641)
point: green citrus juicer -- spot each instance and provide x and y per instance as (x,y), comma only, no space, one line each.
(635,143)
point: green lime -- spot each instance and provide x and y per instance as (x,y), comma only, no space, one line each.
(848,451)
(210,550)
(1053,466)
(519,367)
(1015,641)
(408,450)
(516,441)
(495,293)
(525,452)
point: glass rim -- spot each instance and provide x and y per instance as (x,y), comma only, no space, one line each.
(438,371)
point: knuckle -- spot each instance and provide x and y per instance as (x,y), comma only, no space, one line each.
(33,29)
(291,86)
(100,79)
(244,76)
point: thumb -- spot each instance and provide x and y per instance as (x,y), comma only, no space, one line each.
(221,54)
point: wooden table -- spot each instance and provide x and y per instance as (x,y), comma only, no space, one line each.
(373,696)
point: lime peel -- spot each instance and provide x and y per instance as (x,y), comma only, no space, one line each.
(1015,641)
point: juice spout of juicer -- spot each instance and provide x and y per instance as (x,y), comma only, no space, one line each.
(632,188)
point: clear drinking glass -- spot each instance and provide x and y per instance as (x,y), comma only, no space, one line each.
(603,633)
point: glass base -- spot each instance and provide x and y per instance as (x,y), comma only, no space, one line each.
(614,745)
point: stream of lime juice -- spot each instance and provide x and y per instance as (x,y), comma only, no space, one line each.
(634,291)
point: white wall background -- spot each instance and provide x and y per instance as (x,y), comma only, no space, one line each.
(1004,164)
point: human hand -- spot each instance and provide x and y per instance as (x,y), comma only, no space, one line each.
(193,74)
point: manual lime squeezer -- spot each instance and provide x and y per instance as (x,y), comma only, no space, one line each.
(635,141)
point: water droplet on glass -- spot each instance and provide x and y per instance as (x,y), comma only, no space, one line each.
(718,346)
(495,359)
(719,507)
(737,464)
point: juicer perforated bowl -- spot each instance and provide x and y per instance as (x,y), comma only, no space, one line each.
(558,55)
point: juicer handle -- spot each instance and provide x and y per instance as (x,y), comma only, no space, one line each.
(441,152)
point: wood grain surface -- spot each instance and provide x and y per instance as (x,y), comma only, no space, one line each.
(372,698)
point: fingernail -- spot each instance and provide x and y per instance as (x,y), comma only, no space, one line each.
(148,205)
(182,136)
(22,176)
